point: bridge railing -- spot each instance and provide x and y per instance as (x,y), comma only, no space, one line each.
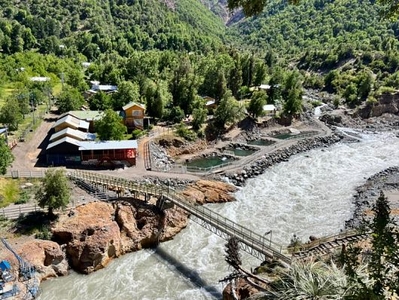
(251,238)
(246,235)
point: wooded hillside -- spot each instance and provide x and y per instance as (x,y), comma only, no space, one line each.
(90,27)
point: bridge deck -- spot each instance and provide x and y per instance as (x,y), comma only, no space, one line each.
(252,242)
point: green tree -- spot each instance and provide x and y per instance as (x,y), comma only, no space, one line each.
(54,192)
(23,102)
(350,94)
(110,126)
(365,85)
(157,97)
(235,79)
(199,114)
(10,114)
(258,100)
(276,82)
(6,157)
(69,99)
(75,78)
(293,95)
(100,101)
(383,266)
(381,278)
(127,92)
(229,110)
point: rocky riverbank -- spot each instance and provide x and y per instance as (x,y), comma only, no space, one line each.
(366,195)
(283,154)
(88,237)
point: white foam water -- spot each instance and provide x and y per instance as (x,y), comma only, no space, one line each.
(308,195)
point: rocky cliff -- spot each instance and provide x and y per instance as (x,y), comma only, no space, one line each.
(387,103)
(95,233)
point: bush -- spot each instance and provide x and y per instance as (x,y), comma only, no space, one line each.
(336,102)
(184,132)
(137,133)
(43,234)
(23,198)
(316,103)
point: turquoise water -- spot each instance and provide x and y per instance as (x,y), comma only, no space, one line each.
(242,152)
(285,136)
(261,142)
(207,162)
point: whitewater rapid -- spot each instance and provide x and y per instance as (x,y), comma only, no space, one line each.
(308,195)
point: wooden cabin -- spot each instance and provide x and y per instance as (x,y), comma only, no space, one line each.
(133,115)
(102,152)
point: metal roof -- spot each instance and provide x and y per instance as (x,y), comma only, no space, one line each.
(108,145)
(64,140)
(87,115)
(73,132)
(39,79)
(269,107)
(130,104)
(71,120)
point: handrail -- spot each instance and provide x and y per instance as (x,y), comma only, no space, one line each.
(245,235)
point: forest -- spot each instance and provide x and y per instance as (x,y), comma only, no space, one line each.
(169,55)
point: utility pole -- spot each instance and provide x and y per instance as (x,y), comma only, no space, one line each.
(62,80)
(31,97)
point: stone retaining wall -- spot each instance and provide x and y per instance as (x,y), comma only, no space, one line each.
(259,166)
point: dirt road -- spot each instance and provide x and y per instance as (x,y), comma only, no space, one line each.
(27,153)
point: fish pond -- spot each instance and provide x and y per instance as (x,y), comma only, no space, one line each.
(261,142)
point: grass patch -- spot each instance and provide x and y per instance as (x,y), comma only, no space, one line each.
(9,191)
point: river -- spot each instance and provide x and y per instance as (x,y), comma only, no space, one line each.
(308,195)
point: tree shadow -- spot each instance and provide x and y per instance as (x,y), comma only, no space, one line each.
(33,222)
(188,273)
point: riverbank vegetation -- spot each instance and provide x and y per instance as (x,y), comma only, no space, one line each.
(368,270)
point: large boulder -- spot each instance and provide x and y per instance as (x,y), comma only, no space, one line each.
(207,191)
(95,233)
(47,258)
(91,235)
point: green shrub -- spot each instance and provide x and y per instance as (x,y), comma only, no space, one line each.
(23,197)
(336,102)
(44,233)
(184,132)
(316,103)
(137,133)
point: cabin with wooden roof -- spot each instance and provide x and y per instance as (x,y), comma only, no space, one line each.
(133,115)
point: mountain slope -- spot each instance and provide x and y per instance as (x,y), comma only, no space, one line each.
(91,26)
(318,25)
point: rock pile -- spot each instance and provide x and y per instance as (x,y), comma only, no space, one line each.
(160,159)
(367,194)
(283,154)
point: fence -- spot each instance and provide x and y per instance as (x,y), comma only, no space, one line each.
(25,174)
(13,213)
